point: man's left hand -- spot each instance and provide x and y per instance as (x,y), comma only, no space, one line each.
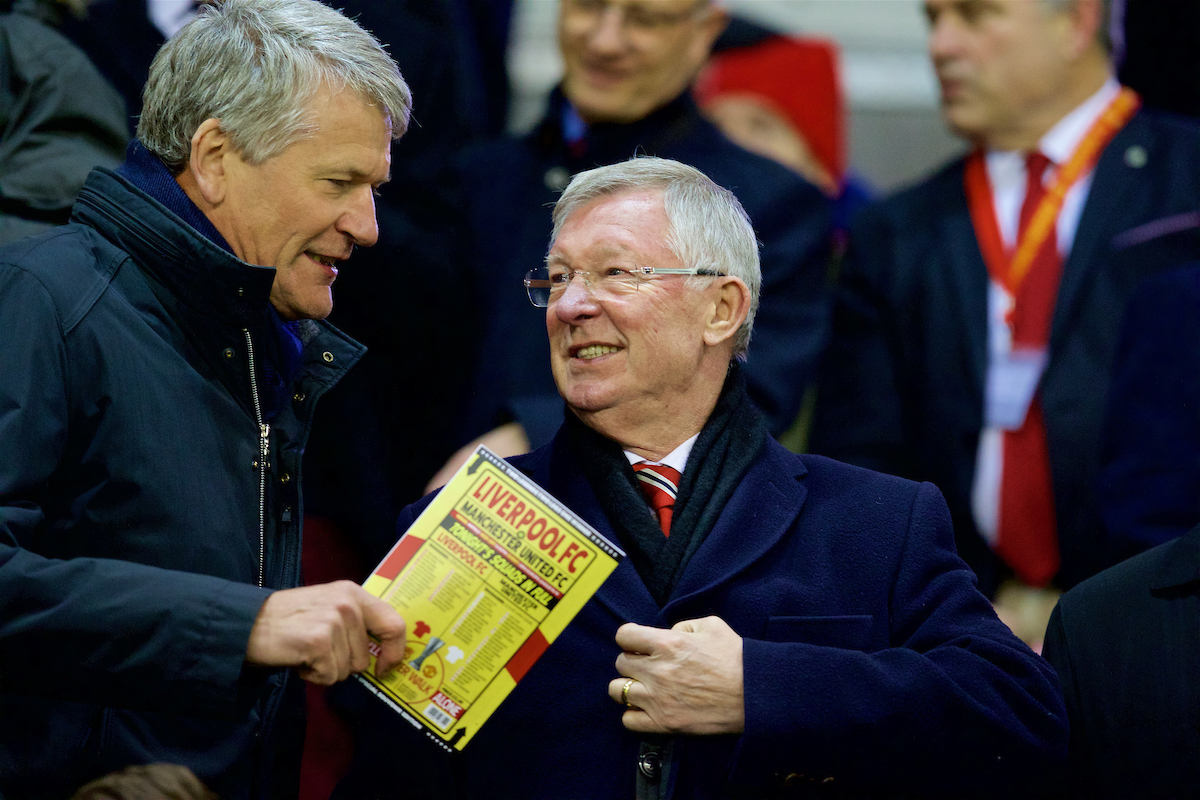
(685,680)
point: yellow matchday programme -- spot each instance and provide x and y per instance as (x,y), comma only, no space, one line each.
(487,578)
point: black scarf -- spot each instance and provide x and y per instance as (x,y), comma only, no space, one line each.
(728,444)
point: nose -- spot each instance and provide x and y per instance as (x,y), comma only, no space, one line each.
(576,302)
(944,40)
(358,218)
(607,35)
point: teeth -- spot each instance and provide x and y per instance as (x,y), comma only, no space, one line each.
(326,260)
(595,351)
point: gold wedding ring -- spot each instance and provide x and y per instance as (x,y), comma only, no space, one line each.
(625,692)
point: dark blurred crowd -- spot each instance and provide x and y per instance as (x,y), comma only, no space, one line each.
(1021,328)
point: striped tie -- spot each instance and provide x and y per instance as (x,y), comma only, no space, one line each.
(659,484)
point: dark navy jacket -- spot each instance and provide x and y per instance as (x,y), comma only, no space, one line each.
(1150,469)
(902,387)
(1124,644)
(129,436)
(510,187)
(872,666)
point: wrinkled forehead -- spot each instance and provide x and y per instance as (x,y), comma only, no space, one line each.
(631,222)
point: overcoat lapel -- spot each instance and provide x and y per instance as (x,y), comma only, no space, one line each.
(762,510)
(966,278)
(624,593)
(1182,566)
(1109,209)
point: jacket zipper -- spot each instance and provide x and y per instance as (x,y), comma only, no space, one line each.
(264,449)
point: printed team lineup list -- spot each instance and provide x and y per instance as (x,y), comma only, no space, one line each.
(487,577)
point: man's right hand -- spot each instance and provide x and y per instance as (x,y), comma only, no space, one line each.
(322,632)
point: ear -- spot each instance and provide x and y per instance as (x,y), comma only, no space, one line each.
(205,170)
(1086,20)
(713,24)
(727,312)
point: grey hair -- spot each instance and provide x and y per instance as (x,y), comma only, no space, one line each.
(1105,34)
(707,227)
(255,65)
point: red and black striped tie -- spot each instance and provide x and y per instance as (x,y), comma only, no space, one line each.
(659,484)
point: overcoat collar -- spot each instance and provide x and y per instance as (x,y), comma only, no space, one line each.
(1182,564)
(760,513)
(1109,210)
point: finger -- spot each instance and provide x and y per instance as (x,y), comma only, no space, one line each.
(702,625)
(356,639)
(341,637)
(385,624)
(349,630)
(321,667)
(616,690)
(638,721)
(634,638)
(634,665)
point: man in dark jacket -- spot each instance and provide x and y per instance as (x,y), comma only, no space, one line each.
(1124,644)
(783,625)
(157,382)
(977,313)
(627,68)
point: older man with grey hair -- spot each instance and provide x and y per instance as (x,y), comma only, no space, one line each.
(783,624)
(162,357)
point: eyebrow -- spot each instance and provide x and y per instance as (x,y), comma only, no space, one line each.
(363,176)
(359,175)
(614,250)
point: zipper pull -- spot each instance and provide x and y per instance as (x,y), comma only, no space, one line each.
(264,444)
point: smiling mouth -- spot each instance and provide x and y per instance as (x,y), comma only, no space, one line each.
(595,351)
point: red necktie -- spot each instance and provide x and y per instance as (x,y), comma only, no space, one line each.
(1028,538)
(659,484)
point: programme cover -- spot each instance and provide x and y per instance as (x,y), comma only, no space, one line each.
(487,577)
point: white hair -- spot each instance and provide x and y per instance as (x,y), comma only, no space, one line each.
(707,227)
(255,65)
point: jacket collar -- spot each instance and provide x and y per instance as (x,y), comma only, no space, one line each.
(771,494)
(1119,191)
(198,272)
(965,270)
(1182,564)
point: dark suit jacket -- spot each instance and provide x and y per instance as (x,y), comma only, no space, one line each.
(510,187)
(1150,472)
(1125,646)
(902,387)
(869,659)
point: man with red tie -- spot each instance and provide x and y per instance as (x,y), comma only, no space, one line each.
(788,625)
(978,311)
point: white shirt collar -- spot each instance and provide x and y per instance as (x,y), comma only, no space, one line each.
(676,459)
(1060,141)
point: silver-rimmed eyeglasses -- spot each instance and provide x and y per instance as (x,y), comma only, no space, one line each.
(545,285)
